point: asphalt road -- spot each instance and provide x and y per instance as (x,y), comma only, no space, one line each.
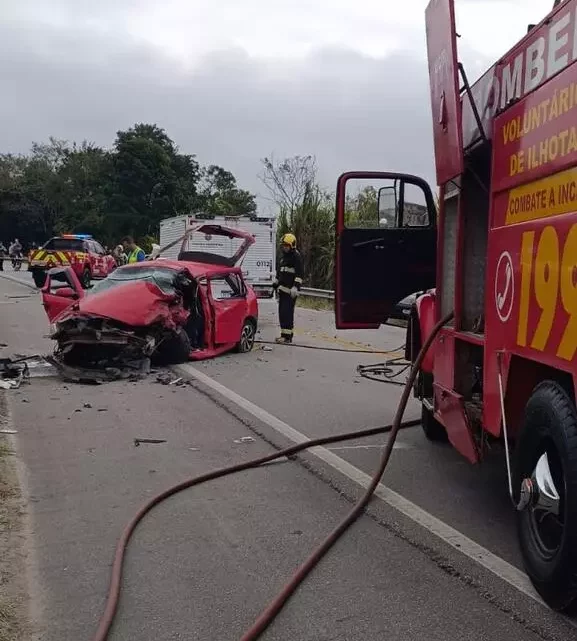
(442,564)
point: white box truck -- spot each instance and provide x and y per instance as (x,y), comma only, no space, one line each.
(259,263)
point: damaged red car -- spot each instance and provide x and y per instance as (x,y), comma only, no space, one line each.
(168,311)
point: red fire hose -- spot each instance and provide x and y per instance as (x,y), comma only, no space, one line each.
(272,610)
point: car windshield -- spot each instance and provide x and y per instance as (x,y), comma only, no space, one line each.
(65,244)
(162,278)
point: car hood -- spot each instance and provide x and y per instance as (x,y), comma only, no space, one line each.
(135,303)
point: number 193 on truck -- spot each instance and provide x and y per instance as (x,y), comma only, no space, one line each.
(501,253)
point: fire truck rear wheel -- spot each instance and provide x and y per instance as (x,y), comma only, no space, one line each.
(434,430)
(546,454)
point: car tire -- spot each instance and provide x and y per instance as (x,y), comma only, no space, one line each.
(39,277)
(247,337)
(548,541)
(434,431)
(86,278)
(176,349)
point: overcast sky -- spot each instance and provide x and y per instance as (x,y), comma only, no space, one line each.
(234,80)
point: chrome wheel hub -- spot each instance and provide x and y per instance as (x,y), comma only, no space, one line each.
(541,498)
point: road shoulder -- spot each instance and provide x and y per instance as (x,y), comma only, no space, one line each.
(14,593)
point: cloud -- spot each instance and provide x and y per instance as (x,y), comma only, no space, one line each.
(349,110)
(83,70)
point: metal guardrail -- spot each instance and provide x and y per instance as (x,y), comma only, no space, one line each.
(327,294)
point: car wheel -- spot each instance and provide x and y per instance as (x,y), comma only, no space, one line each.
(176,349)
(433,430)
(39,277)
(247,337)
(545,467)
(86,278)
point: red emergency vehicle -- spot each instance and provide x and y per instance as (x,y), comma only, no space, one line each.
(86,256)
(502,255)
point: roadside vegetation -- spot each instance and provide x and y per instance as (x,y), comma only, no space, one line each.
(66,187)
(12,619)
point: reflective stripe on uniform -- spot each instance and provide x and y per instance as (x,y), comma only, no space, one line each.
(286,332)
(133,256)
(299,280)
(284,289)
(289,270)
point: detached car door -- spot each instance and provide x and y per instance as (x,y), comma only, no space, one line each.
(227,295)
(386,245)
(61,290)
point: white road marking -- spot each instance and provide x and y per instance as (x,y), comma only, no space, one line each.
(498,566)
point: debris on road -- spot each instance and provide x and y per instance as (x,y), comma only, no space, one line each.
(8,432)
(96,373)
(138,441)
(87,405)
(244,439)
(166,378)
(13,372)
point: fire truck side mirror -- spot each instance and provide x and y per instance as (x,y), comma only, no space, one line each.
(372,200)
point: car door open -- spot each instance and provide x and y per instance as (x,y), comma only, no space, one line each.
(386,241)
(60,290)
(228,300)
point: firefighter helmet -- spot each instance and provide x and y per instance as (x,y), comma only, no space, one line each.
(289,239)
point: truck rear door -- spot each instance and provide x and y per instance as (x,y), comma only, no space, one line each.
(386,241)
(444,87)
(258,266)
(171,229)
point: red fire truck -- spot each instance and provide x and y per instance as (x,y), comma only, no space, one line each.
(502,255)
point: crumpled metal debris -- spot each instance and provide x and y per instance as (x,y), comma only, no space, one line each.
(94,350)
(13,372)
(138,441)
(166,378)
(133,371)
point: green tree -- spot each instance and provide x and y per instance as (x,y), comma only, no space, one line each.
(305,210)
(220,195)
(65,187)
(151,181)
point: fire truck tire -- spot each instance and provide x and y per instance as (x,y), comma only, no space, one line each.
(86,278)
(434,430)
(548,541)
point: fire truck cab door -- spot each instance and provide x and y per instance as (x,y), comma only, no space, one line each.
(382,254)
(444,87)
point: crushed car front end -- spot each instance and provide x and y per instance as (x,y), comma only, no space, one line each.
(126,322)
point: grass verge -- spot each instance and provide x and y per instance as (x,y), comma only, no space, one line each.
(324,305)
(12,618)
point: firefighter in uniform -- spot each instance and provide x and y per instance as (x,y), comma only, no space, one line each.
(288,281)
